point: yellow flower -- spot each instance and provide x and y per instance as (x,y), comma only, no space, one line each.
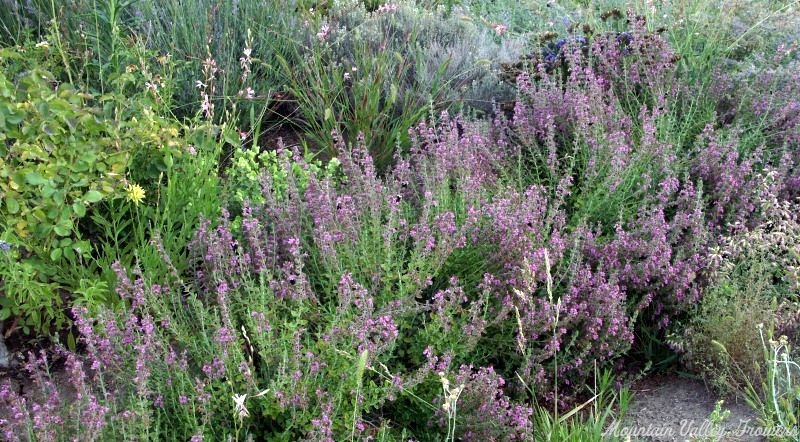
(135,193)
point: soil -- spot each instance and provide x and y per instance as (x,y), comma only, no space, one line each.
(673,408)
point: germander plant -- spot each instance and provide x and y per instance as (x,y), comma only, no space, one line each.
(504,260)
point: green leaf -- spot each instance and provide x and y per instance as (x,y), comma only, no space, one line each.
(60,107)
(55,254)
(93,196)
(231,137)
(63,228)
(71,342)
(12,205)
(59,196)
(79,209)
(10,53)
(61,231)
(48,191)
(15,118)
(35,179)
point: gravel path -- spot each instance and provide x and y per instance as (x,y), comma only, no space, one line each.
(668,408)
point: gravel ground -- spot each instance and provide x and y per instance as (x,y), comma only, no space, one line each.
(670,408)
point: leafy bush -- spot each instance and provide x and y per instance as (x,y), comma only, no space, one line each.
(243,176)
(65,153)
(58,159)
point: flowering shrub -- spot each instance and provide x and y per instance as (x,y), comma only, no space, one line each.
(767,94)
(447,290)
(484,410)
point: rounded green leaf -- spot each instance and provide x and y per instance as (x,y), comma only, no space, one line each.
(55,254)
(48,191)
(35,178)
(12,205)
(63,228)
(61,231)
(93,196)
(79,209)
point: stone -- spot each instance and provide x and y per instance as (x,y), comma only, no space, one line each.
(5,356)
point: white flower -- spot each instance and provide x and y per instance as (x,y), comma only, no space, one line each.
(199,84)
(207,107)
(450,395)
(389,7)
(240,410)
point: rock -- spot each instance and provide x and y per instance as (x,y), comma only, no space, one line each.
(5,356)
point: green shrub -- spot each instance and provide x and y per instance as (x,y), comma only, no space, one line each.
(243,176)
(63,152)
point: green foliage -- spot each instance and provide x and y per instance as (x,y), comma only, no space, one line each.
(66,156)
(716,420)
(59,158)
(243,175)
(88,107)
(28,300)
(778,404)
(720,338)
(197,32)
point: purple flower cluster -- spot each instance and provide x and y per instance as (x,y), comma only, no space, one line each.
(485,412)
(55,407)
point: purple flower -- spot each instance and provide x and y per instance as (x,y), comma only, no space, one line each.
(225,336)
